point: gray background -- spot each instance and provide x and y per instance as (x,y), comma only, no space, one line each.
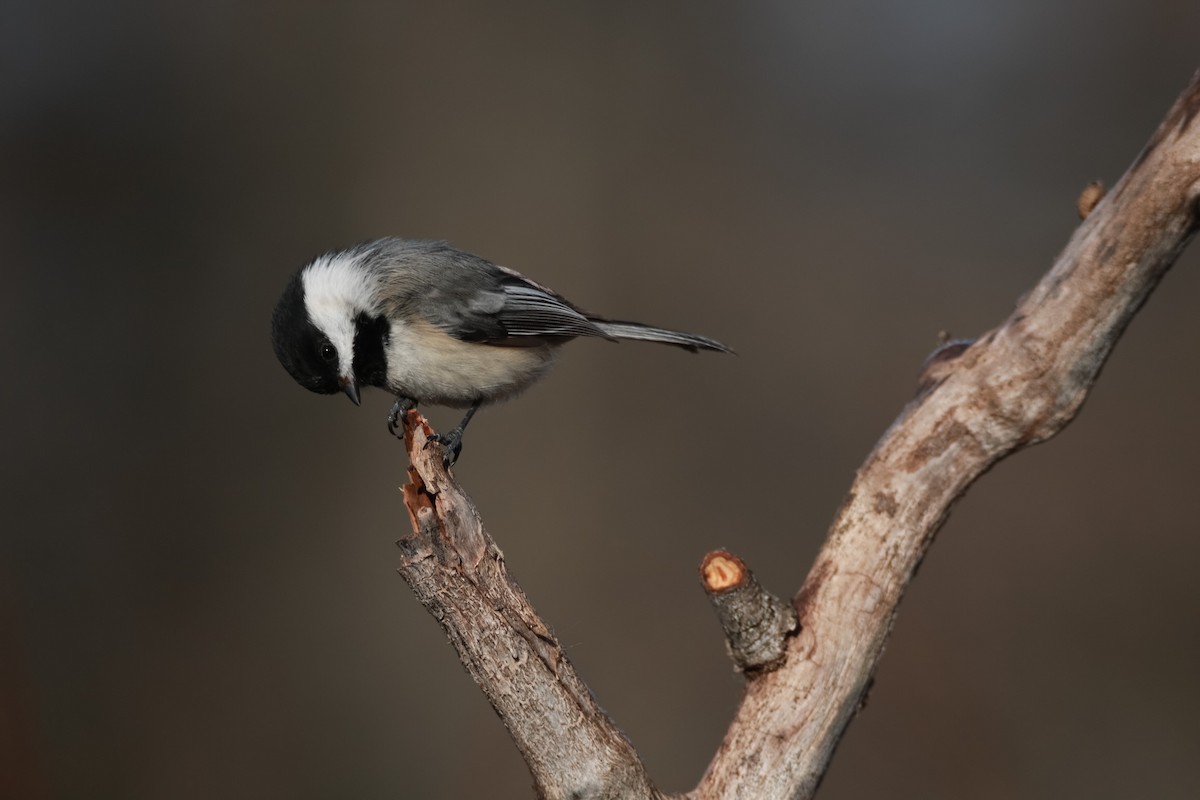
(197,595)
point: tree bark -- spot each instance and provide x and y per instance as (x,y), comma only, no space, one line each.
(459,575)
(757,624)
(977,402)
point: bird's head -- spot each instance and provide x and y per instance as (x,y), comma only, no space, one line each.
(325,329)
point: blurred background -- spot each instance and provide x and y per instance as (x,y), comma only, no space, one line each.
(197,586)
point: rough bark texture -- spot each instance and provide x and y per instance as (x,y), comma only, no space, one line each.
(1017,385)
(756,622)
(977,402)
(459,575)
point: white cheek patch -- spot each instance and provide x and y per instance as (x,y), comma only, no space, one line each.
(334,321)
(335,292)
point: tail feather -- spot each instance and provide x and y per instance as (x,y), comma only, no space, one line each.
(646,333)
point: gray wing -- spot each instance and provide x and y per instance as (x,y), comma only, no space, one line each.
(529,310)
(475,300)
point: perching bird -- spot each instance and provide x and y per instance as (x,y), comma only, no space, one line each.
(431,324)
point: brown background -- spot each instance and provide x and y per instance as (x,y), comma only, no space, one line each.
(197,595)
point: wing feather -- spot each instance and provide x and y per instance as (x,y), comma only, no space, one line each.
(530,310)
(473,299)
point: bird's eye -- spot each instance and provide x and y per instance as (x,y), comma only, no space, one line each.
(328,352)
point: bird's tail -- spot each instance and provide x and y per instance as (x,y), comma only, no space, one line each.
(646,333)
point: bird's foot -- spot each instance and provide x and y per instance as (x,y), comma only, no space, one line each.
(451,443)
(395,420)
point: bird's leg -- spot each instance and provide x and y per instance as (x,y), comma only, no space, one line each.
(395,418)
(451,440)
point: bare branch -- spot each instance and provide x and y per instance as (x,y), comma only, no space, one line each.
(459,575)
(977,402)
(1018,385)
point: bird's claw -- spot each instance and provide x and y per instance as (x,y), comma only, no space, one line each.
(451,443)
(395,420)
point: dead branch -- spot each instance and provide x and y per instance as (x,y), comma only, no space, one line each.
(457,572)
(1017,385)
(756,622)
(977,402)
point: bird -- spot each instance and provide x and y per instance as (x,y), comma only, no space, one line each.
(432,324)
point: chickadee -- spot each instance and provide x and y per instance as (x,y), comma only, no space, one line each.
(431,324)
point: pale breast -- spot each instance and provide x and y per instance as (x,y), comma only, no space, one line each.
(430,366)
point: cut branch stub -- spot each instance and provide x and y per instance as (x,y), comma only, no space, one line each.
(1089,198)
(756,622)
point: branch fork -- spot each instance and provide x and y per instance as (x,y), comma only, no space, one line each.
(809,663)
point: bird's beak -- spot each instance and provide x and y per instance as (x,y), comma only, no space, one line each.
(350,387)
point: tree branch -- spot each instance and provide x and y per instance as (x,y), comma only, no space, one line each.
(756,622)
(977,402)
(1016,386)
(459,575)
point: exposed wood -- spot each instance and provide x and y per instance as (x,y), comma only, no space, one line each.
(459,575)
(1089,198)
(756,622)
